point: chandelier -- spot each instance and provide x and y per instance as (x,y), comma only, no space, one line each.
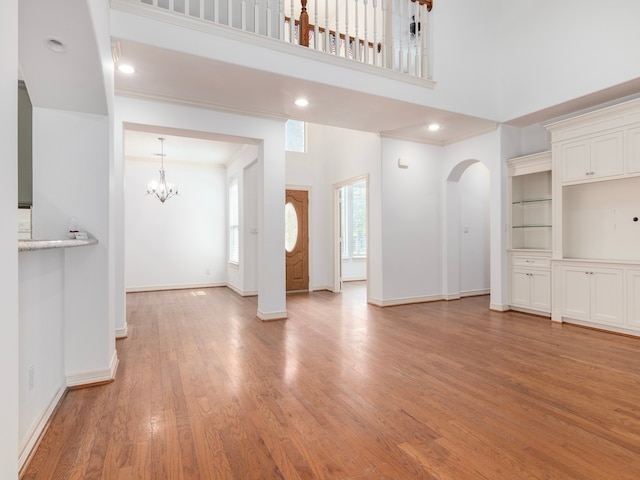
(162,190)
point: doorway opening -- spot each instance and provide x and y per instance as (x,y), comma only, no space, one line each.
(352,230)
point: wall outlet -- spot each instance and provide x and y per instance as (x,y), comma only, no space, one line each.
(31,377)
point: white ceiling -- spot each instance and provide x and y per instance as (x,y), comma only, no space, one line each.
(173,76)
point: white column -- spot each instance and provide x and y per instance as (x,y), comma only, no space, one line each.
(9,412)
(271,253)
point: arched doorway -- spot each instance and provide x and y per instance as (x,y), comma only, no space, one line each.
(467,238)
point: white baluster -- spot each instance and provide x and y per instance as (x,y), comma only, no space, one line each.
(386,19)
(356,41)
(216,11)
(187,6)
(256,16)
(316,27)
(418,39)
(375,32)
(408,20)
(171,6)
(347,40)
(327,33)
(201,10)
(155,3)
(366,32)
(268,19)
(400,31)
(292,24)
(243,15)
(230,13)
(337,34)
(426,37)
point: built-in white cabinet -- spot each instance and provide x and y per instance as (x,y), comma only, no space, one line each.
(633,297)
(593,158)
(592,293)
(633,150)
(530,197)
(595,246)
(531,289)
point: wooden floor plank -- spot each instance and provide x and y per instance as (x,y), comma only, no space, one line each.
(346,390)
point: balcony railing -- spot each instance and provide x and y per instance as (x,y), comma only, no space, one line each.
(390,34)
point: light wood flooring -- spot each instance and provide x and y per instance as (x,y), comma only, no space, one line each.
(345,390)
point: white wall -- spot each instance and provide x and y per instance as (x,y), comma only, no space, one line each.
(42,328)
(352,154)
(8,252)
(488,149)
(70,172)
(269,135)
(311,170)
(557,51)
(411,221)
(180,243)
(474,230)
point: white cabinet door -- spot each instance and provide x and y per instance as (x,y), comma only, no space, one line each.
(540,290)
(607,159)
(633,298)
(520,288)
(576,161)
(576,286)
(597,157)
(607,296)
(633,150)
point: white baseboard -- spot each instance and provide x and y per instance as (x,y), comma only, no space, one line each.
(498,307)
(34,434)
(405,301)
(475,293)
(268,316)
(451,296)
(317,288)
(185,286)
(530,311)
(122,332)
(242,293)
(94,376)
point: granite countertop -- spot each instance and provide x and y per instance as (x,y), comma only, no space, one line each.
(30,245)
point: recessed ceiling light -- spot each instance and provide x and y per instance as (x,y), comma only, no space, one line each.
(434,127)
(302,102)
(128,69)
(55,45)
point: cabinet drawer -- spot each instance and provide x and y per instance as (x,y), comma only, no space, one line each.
(536,262)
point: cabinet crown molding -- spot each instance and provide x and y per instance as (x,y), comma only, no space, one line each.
(597,121)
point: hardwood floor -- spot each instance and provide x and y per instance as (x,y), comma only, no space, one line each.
(343,390)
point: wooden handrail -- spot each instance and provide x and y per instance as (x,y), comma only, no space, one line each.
(311,28)
(428,3)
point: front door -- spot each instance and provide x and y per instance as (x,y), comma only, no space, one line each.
(297,239)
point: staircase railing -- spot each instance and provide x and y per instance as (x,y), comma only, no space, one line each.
(390,34)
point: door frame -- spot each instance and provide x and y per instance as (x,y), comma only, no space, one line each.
(337,251)
(308,189)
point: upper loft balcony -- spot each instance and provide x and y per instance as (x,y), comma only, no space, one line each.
(368,64)
(388,34)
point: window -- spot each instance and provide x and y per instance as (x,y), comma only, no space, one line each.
(234,223)
(354,220)
(295,136)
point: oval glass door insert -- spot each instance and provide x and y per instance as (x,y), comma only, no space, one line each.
(290,227)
